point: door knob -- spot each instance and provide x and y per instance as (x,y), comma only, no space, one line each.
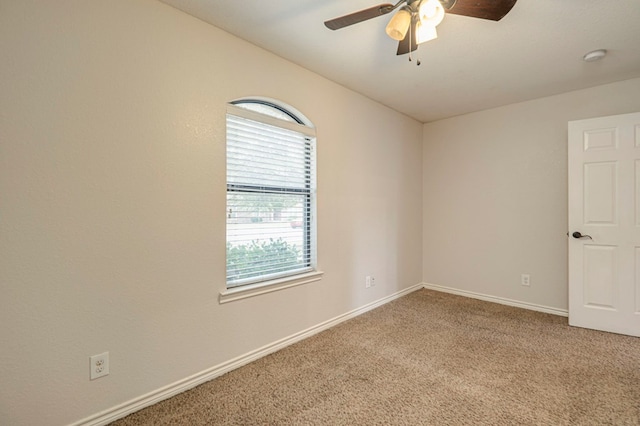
(579,235)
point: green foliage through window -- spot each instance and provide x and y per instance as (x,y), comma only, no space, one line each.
(265,257)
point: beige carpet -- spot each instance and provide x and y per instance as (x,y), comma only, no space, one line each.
(428,358)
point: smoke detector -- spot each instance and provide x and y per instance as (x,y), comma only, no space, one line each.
(595,55)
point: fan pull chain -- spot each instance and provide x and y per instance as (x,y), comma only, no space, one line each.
(410,40)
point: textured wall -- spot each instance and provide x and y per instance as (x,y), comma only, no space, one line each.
(112,202)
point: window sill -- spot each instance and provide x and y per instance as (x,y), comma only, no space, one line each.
(244,292)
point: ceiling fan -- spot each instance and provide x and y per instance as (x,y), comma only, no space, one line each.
(416,21)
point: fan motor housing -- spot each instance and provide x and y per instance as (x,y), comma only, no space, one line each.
(448,4)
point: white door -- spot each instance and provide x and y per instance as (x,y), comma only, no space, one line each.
(604,223)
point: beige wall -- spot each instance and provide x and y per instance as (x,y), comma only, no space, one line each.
(495,194)
(112,193)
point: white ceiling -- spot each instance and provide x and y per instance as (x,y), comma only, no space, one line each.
(534,51)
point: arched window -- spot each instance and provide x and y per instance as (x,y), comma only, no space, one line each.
(270,192)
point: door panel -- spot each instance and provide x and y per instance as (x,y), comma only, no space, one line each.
(600,193)
(600,139)
(637,193)
(600,276)
(637,282)
(604,206)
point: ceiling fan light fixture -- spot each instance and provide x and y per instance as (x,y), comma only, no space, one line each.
(431,12)
(425,32)
(399,24)
(403,25)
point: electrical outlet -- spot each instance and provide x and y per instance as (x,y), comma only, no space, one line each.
(369,281)
(525,280)
(99,365)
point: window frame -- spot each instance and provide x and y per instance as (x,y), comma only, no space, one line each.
(309,272)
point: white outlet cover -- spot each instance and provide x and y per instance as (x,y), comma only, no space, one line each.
(99,365)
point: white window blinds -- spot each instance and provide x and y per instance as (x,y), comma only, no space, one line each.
(270,197)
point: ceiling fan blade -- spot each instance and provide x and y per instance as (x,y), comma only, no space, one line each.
(362,15)
(485,9)
(408,42)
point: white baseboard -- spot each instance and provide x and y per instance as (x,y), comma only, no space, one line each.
(501,300)
(187,383)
